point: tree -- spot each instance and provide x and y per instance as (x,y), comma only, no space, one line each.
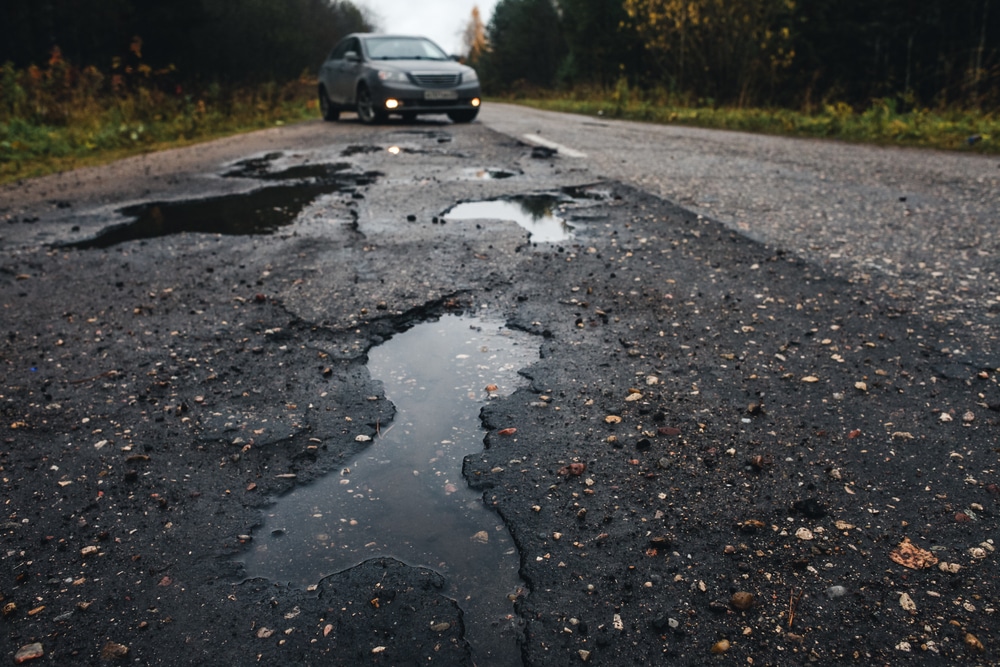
(601,44)
(474,38)
(526,44)
(727,50)
(208,40)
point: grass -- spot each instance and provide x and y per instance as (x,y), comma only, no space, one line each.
(882,123)
(62,117)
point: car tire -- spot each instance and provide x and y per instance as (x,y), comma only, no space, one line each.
(367,113)
(463,116)
(327,108)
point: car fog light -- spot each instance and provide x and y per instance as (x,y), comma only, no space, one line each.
(476,102)
(392,104)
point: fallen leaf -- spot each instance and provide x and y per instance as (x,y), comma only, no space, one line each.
(909,555)
(573,470)
(507,431)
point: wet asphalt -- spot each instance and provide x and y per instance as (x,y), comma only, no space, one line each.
(762,427)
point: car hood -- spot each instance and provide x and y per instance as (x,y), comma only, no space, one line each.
(436,66)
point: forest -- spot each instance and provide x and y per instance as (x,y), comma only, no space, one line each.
(791,53)
(199,41)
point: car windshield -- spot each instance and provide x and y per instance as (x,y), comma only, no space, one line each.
(403,48)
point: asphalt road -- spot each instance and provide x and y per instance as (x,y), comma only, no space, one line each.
(761,426)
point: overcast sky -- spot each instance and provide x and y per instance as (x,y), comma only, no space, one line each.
(443,21)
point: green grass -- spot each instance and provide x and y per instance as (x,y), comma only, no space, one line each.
(881,124)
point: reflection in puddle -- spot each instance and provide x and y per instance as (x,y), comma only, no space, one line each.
(532,213)
(405,496)
(494,174)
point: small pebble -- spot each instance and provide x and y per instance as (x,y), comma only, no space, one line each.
(834,592)
(720,646)
(741,600)
(29,652)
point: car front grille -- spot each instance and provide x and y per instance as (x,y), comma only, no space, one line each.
(436,80)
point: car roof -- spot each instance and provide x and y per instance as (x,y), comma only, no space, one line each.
(369,35)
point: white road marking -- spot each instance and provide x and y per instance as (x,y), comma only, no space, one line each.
(563,150)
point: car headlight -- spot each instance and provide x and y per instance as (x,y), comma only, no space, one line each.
(391,75)
(470,76)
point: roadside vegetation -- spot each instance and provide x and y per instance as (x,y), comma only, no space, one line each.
(80,86)
(79,83)
(881,123)
(62,117)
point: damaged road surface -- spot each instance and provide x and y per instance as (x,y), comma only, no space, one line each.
(711,448)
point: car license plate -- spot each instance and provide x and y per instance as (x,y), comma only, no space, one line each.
(440,95)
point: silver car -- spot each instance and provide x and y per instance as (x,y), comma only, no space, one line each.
(377,75)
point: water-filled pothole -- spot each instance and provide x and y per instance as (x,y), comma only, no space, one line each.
(405,496)
(261,211)
(533,213)
(489,174)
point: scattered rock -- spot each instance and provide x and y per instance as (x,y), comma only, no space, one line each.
(114,651)
(29,652)
(720,647)
(741,600)
(973,642)
(834,592)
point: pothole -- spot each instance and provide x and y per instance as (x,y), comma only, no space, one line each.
(405,496)
(535,213)
(488,174)
(261,211)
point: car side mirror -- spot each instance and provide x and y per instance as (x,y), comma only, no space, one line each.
(352,56)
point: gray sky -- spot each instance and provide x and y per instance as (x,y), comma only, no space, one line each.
(443,21)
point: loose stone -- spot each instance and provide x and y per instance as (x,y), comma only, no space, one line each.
(29,652)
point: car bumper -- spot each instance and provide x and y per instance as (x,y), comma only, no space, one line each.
(406,98)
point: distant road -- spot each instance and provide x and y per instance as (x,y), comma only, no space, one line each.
(920,225)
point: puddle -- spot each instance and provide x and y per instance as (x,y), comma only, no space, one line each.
(405,496)
(362,150)
(489,174)
(304,172)
(261,211)
(535,214)
(434,135)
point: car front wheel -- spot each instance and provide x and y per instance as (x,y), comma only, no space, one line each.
(463,116)
(367,112)
(326,107)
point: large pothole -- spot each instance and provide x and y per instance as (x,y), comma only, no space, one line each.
(405,496)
